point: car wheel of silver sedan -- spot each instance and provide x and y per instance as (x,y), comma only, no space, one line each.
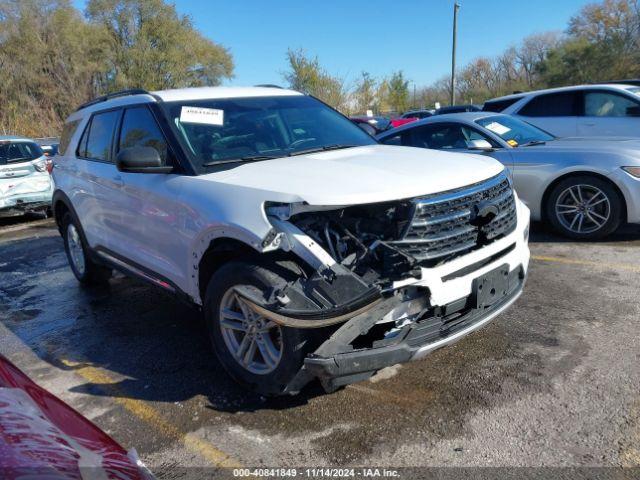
(584,208)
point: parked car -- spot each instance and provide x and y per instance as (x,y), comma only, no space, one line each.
(313,251)
(399,121)
(417,114)
(25,183)
(457,109)
(584,187)
(372,125)
(604,110)
(50,150)
(43,437)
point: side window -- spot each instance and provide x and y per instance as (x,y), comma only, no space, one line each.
(100,135)
(439,137)
(499,105)
(393,140)
(552,105)
(401,139)
(67,132)
(139,129)
(606,104)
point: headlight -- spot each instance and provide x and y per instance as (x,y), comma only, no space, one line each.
(526,232)
(633,171)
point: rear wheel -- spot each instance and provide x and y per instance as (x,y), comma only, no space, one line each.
(85,270)
(584,208)
(256,352)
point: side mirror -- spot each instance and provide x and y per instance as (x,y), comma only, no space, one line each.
(141,160)
(633,111)
(368,128)
(479,145)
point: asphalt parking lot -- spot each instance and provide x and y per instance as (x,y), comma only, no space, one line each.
(553,382)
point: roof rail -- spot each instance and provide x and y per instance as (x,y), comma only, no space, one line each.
(268,85)
(628,81)
(109,96)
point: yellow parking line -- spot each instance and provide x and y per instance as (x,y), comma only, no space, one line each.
(152,417)
(571,261)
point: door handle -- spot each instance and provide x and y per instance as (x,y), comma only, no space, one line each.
(589,124)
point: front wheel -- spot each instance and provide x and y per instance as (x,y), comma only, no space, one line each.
(257,353)
(85,270)
(584,208)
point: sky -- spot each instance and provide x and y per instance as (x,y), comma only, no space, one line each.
(351,36)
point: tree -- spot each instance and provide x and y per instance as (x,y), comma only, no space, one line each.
(365,94)
(155,48)
(308,76)
(612,29)
(50,61)
(398,92)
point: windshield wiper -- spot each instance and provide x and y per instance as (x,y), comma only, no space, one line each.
(257,158)
(248,158)
(532,143)
(324,148)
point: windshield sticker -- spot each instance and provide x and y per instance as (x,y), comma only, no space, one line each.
(203,116)
(512,142)
(498,128)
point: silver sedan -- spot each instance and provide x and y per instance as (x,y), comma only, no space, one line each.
(584,187)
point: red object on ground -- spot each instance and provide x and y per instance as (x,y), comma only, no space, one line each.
(41,436)
(396,122)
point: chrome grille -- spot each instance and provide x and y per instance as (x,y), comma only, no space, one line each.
(442,224)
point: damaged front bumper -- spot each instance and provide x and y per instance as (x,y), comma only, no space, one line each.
(416,317)
(336,363)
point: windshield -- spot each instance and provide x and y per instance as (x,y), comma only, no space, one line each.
(634,90)
(513,131)
(223,130)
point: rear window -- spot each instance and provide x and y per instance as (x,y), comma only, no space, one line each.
(552,105)
(14,152)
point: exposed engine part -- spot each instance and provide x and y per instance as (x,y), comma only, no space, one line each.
(359,237)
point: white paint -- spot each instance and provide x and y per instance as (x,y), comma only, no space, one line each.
(202,116)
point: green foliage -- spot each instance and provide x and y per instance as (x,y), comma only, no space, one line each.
(398,92)
(52,59)
(155,48)
(308,76)
(365,95)
(603,44)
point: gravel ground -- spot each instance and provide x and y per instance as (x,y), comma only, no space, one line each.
(553,382)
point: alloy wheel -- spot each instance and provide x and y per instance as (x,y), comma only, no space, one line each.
(76,252)
(254,341)
(583,208)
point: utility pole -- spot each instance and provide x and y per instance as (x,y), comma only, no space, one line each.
(456,7)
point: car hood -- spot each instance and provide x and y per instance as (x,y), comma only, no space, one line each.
(628,145)
(358,175)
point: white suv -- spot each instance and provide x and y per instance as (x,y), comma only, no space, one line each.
(313,251)
(25,182)
(607,110)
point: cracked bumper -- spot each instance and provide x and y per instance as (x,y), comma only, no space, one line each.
(417,340)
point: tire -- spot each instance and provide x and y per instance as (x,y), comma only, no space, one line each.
(584,208)
(292,344)
(83,267)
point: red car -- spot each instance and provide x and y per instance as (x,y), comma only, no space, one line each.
(396,122)
(43,437)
